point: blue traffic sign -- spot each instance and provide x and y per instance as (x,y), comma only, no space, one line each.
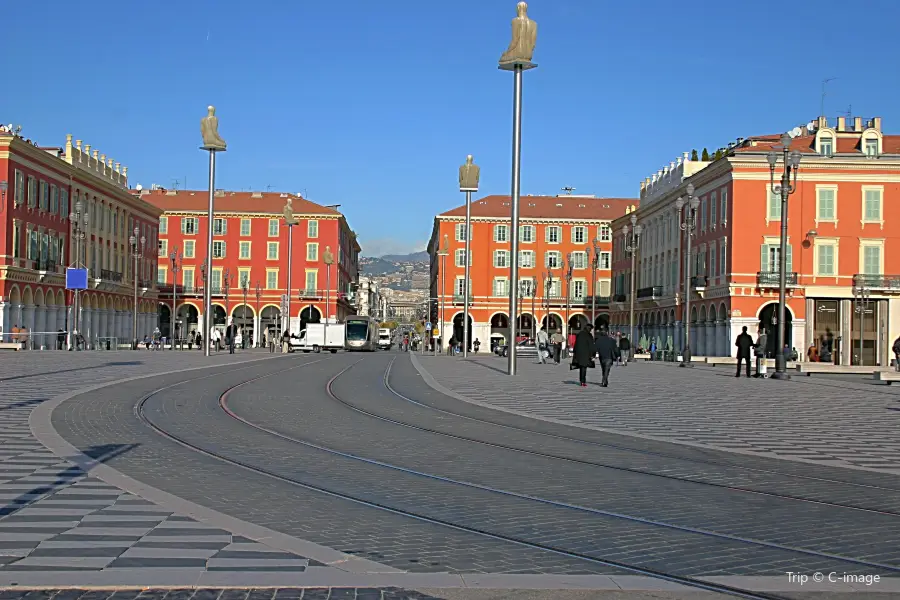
(428,325)
(76,279)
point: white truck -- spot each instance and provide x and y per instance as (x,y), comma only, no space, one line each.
(315,339)
(384,338)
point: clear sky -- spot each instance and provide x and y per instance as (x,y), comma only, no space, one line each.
(374,105)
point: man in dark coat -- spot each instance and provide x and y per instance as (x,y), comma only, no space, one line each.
(583,354)
(743,342)
(607,352)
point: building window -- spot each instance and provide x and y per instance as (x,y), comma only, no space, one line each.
(774,205)
(187,279)
(312,281)
(825,258)
(552,234)
(579,234)
(712,261)
(271,280)
(501,258)
(551,259)
(272,250)
(826,145)
(161,275)
(32,192)
(871,147)
(19,189)
(45,196)
(605,233)
(826,204)
(526,287)
(501,287)
(54,200)
(189,225)
(189,248)
(273,227)
(163,246)
(871,260)
(243,278)
(245,227)
(459,257)
(703,214)
(312,252)
(460,287)
(526,234)
(579,287)
(872,205)
(724,209)
(218,249)
(215,284)
(579,260)
(164,225)
(605,260)
(461,232)
(312,229)
(723,249)
(501,233)
(220,226)
(245,250)
(713,205)
(526,259)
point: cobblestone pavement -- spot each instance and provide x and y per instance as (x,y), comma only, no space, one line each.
(813,420)
(55,516)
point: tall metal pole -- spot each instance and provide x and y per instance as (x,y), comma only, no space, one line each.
(533,316)
(631,298)
(441,328)
(516,182)
(289,273)
(134,333)
(466,332)
(207,289)
(594,289)
(686,224)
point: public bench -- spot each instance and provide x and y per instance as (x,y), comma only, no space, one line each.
(11,345)
(886,376)
(815,367)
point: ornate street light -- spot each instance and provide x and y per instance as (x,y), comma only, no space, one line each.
(569,267)
(137,253)
(687,222)
(79,221)
(328,259)
(632,243)
(861,296)
(176,259)
(290,221)
(791,163)
(469,175)
(245,284)
(212,143)
(258,335)
(595,264)
(442,253)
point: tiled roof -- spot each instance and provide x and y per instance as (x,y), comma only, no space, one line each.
(806,144)
(243,202)
(548,207)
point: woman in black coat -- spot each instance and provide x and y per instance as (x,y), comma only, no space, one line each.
(583,354)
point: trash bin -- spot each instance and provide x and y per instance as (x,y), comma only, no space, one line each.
(107,344)
(761,367)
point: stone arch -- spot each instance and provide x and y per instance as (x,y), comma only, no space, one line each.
(577,321)
(309,314)
(500,323)
(767,320)
(270,319)
(693,316)
(15,295)
(723,312)
(39,299)
(458,330)
(27,295)
(553,322)
(602,321)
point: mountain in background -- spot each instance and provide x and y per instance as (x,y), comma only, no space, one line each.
(415,257)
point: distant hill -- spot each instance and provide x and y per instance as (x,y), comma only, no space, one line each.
(405,258)
(377,266)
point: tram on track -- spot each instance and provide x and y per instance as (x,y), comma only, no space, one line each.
(361,334)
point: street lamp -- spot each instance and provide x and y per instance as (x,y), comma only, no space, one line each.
(245,284)
(861,294)
(227,279)
(176,258)
(687,222)
(79,220)
(517,59)
(595,264)
(548,291)
(791,163)
(469,174)
(632,243)
(290,221)
(442,253)
(137,253)
(533,316)
(212,143)
(328,259)
(569,267)
(258,335)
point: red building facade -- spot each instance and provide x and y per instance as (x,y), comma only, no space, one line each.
(250,260)
(42,187)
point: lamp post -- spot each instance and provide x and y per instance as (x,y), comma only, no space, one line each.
(137,253)
(632,243)
(212,143)
(469,175)
(176,259)
(227,279)
(245,284)
(687,222)
(533,316)
(328,259)
(595,264)
(569,267)
(290,221)
(548,291)
(442,253)
(79,222)
(861,294)
(517,59)
(791,163)
(258,335)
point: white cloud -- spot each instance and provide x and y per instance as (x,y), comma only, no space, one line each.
(381,246)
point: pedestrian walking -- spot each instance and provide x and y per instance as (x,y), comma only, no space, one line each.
(743,342)
(624,350)
(542,343)
(583,354)
(556,340)
(60,339)
(759,350)
(607,352)
(896,350)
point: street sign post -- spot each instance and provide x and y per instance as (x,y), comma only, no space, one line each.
(428,325)
(76,279)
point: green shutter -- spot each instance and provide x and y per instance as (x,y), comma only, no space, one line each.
(764,258)
(790,258)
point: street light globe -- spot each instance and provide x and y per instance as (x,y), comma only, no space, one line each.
(72,217)
(679,203)
(633,218)
(131,240)
(136,231)
(695,202)
(638,229)
(143,241)
(78,206)
(785,139)
(624,229)
(795,159)
(690,189)
(771,158)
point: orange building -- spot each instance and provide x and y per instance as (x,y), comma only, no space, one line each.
(554,232)
(842,224)
(250,245)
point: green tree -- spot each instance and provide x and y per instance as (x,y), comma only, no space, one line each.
(705,155)
(719,154)
(419,328)
(694,155)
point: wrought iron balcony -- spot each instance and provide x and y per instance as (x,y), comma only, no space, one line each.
(649,293)
(877,282)
(773,279)
(113,276)
(699,281)
(619,298)
(309,294)
(460,298)
(46,265)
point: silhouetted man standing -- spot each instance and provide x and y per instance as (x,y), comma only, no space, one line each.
(607,352)
(743,342)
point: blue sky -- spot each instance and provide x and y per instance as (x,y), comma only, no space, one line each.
(373,105)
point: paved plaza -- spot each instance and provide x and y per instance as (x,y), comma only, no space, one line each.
(842,422)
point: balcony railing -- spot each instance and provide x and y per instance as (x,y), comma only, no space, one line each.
(877,282)
(654,291)
(773,279)
(460,298)
(619,298)
(699,281)
(309,294)
(108,275)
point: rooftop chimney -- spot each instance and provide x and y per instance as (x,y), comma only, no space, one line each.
(842,124)
(857,124)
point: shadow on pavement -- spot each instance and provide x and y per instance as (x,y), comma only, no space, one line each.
(64,477)
(109,364)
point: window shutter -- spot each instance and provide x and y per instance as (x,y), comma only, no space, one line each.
(789,255)
(547,233)
(764,258)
